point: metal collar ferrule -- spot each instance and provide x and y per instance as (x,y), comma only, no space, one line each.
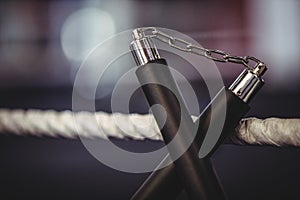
(249,82)
(143,48)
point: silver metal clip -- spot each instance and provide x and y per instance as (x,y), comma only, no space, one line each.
(249,82)
(143,48)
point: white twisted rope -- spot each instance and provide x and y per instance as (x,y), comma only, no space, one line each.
(272,131)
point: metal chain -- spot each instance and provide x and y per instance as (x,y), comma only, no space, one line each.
(212,54)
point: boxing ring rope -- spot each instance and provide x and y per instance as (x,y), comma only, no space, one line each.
(68,124)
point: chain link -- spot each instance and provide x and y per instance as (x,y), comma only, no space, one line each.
(212,54)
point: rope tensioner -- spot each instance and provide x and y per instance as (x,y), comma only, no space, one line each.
(188,171)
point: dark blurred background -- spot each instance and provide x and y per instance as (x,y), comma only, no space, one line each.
(42,44)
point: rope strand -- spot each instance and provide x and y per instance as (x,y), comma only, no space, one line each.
(68,124)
